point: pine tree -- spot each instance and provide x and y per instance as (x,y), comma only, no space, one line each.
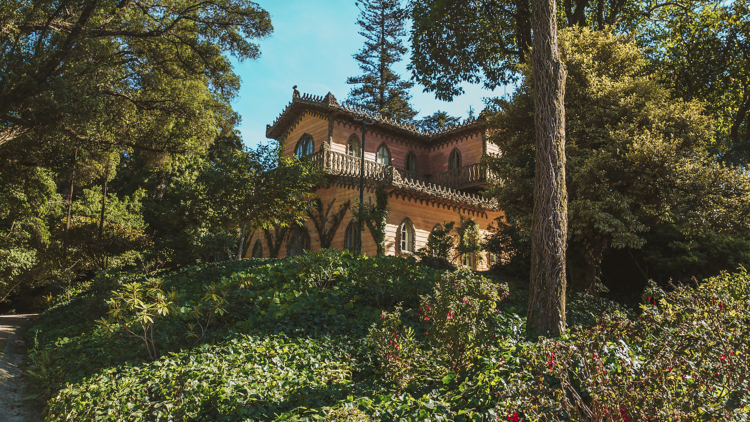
(379,89)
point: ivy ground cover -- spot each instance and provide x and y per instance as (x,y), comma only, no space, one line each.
(329,336)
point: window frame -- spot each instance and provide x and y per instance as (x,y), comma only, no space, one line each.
(352,230)
(459,160)
(292,248)
(354,139)
(305,141)
(383,147)
(410,240)
(413,156)
(257,246)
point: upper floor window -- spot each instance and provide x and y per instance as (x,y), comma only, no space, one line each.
(352,237)
(384,156)
(352,147)
(305,146)
(299,243)
(454,161)
(411,162)
(406,237)
(257,250)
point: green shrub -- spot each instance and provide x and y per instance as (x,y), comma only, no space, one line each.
(386,281)
(323,268)
(460,313)
(402,360)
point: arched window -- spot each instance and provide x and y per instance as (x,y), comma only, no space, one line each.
(411,162)
(299,242)
(384,155)
(406,237)
(352,147)
(257,249)
(352,237)
(467,260)
(305,146)
(454,161)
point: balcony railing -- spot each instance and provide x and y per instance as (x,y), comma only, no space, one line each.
(446,184)
(464,177)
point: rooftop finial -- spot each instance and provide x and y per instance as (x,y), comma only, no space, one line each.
(296,93)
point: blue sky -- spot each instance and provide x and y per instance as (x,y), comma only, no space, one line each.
(312,46)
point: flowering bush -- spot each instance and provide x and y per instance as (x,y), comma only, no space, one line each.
(401,358)
(686,358)
(461,311)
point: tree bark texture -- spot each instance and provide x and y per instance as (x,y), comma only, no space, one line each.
(546,313)
(70,205)
(104,199)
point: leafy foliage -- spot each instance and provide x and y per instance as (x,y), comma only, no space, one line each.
(374,217)
(438,251)
(636,158)
(285,348)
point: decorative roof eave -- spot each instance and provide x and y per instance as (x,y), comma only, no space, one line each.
(329,104)
(427,192)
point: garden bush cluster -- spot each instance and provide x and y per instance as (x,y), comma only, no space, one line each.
(330,336)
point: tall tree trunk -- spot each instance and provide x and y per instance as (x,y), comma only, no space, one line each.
(546,313)
(104,198)
(70,205)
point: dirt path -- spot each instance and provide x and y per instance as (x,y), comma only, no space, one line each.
(13,386)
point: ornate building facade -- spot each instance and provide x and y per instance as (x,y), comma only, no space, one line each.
(430,178)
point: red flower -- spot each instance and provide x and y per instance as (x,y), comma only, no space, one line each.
(514,418)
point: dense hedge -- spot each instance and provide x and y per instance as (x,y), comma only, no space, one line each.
(298,339)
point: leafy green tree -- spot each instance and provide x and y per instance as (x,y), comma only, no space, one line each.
(636,157)
(118,240)
(248,190)
(437,121)
(484,41)
(28,197)
(379,89)
(702,54)
(140,74)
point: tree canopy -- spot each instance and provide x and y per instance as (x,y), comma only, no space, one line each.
(379,89)
(636,156)
(141,74)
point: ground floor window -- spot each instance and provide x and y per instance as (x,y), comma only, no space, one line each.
(299,242)
(352,237)
(467,260)
(406,237)
(257,250)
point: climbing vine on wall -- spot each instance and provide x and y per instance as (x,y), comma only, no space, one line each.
(374,217)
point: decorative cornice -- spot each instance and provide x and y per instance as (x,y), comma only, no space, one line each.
(330,106)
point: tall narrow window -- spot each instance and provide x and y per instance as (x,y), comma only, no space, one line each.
(411,162)
(258,249)
(299,243)
(305,146)
(384,156)
(467,260)
(352,147)
(406,237)
(454,161)
(352,237)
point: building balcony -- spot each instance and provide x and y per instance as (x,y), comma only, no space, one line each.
(448,185)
